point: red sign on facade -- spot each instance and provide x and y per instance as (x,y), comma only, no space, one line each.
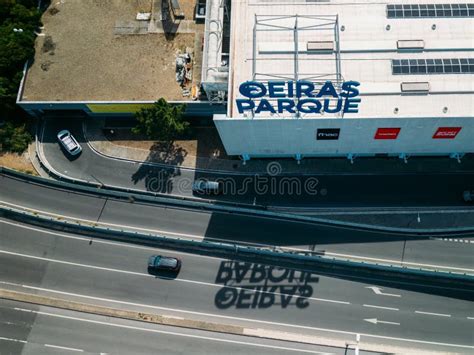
(447,132)
(387,133)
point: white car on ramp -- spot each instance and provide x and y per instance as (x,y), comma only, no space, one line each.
(69,142)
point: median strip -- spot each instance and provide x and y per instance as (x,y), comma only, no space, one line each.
(169,320)
(119,313)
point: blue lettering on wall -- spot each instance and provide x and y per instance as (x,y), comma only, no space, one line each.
(298,96)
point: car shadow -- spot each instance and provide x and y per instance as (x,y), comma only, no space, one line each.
(163,274)
(69,156)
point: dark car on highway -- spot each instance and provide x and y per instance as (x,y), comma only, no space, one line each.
(163,263)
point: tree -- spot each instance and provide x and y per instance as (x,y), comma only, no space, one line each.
(14,137)
(162,121)
(19,19)
(17,47)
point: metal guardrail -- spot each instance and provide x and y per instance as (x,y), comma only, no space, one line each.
(269,255)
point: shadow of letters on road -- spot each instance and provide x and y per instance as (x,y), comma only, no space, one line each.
(251,285)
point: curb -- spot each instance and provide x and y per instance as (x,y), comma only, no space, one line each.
(163,165)
(204,170)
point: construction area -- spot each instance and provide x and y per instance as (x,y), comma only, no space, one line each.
(117,50)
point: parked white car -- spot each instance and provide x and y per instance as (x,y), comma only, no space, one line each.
(69,142)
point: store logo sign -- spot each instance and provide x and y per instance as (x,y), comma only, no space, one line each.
(387,133)
(327,134)
(298,97)
(447,132)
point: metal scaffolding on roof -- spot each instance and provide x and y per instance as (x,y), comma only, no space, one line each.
(303,40)
(297,24)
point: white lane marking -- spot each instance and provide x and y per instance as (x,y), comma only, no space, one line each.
(63,348)
(434,314)
(76,264)
(201,237)
(470,317)
(387,308)
(378,291)
(376,321)
(14,340)
(327,274)
(169,333)
(99,241)
(108,300)
(22,309)
(177,279)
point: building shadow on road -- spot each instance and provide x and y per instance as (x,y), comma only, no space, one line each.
(238,227)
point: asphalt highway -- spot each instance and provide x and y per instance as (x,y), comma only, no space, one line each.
(319,190)
(29,329)
(453,253)
(230,292)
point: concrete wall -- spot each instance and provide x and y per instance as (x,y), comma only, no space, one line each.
(269,137)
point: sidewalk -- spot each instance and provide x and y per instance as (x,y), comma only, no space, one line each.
(93,131)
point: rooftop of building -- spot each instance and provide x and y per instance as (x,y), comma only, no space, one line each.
(94,50)
(368,42)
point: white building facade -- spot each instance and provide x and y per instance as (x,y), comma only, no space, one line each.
(349,78)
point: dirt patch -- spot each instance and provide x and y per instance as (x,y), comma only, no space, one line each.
(91,63)
(48,45)
(45,65)
(53,11)
(20,162)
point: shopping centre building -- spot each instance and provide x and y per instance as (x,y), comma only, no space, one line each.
(347,78)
